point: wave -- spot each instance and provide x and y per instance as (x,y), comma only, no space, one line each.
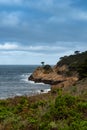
(24,77)
(32,82)
(43,91)
(30,93)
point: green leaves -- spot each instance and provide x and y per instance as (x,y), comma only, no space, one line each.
(62,112)
(82,69)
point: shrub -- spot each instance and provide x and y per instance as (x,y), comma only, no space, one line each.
(82,125)
(82,69)
(47,69)
(65,106)
(82,106)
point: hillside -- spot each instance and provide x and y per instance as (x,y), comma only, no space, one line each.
(63,108)
(66,72)
(73,60)
(74,63)
(59,110)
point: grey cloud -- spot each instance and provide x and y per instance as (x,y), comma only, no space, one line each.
(60,25)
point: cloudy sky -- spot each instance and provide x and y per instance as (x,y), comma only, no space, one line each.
(32,31)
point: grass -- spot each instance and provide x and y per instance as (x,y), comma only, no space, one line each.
(59,111)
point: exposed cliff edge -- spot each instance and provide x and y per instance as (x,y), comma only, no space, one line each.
(52,77)
(64,73)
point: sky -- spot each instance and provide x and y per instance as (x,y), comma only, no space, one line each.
(32,31)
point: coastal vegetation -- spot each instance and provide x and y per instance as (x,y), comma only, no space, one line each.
(42,63)
(59,111)
(47,69)
(73,61)
(64,108)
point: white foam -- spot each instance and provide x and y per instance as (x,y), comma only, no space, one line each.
(41,83)
(24,77)
(26,93)
(47,90)
(43,91)
(32,82)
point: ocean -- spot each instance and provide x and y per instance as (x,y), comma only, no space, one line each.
(14,81)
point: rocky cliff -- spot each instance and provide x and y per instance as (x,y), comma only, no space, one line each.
(65,73)
(54,76)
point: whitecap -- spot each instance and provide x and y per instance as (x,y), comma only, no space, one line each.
(46,90)
(24,77)
(32,82)
(43,91)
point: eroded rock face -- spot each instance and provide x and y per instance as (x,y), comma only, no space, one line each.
(65,73)
(69,82)
(50,77)
(47,78)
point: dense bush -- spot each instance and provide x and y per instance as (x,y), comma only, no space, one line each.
(73,61)
(82,69)
(64,112)
(47,69)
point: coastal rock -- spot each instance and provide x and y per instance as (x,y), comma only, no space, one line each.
(69,82)
(67,71)
(50,77)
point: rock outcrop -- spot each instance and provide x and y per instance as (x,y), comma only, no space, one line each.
(65,73)
(54,76)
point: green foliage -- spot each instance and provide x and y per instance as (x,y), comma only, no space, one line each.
(82,125)
(47,69)
(82,69)
(64,107)
(63,112)
(52,125)
(4,113)
(77,52)
(42,63)
(23,100)
(73,61)
(32,120)
(82,106)
(37,104)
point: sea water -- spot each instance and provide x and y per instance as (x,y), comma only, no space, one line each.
(14,81)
